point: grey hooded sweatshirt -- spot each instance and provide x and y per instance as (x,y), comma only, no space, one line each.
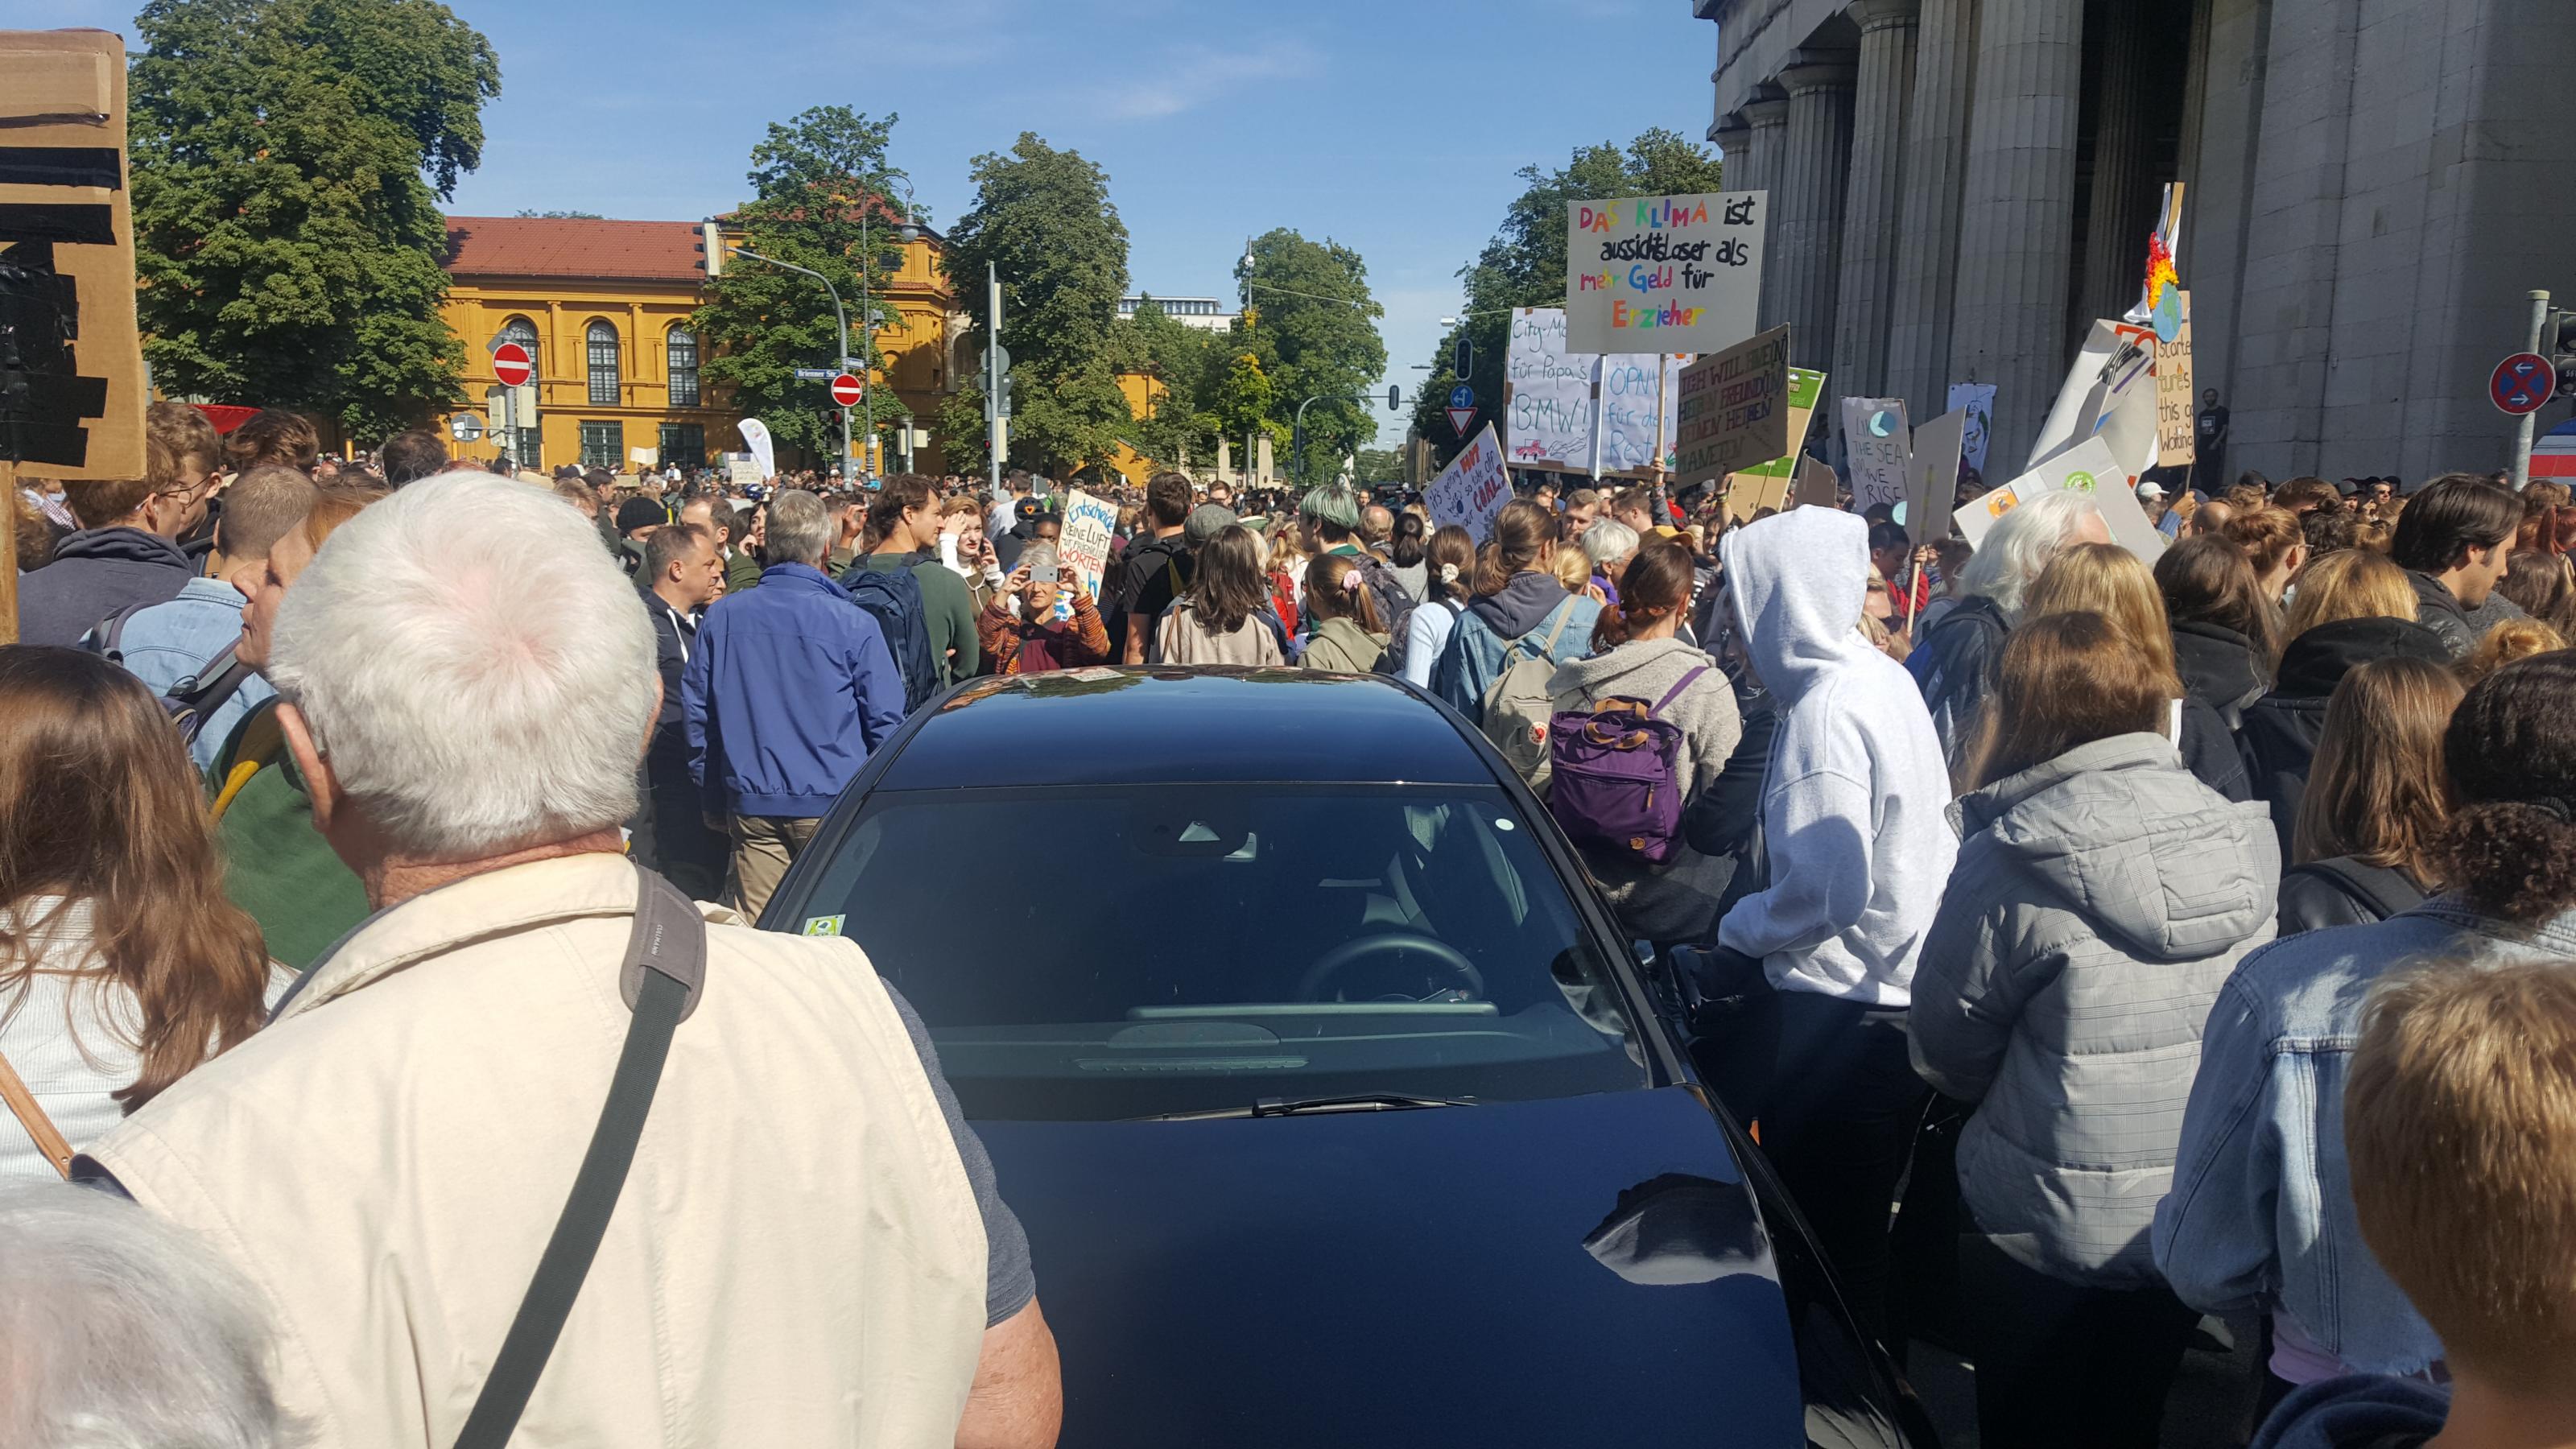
(1677,900)
(2100,902)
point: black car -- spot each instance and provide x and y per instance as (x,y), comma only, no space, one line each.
(1335,1109)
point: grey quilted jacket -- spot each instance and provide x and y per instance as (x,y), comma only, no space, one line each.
(2099,902)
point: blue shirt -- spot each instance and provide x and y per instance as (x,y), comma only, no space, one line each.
(788,688)
(2261,1210)
(168,644)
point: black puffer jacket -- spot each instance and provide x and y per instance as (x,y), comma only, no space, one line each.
(1954,666)
(2219,667)
(2280,730)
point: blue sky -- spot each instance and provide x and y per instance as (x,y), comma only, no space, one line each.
(1392,126)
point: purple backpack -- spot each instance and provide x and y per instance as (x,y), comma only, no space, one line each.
(1614,785)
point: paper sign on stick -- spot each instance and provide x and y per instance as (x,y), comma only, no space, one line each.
(1472,490)
(2173,395)
(1749,488)
(1083,541)
(1932,475)
(1876,443)
(1663,273)
(1737,404)
(1547,393)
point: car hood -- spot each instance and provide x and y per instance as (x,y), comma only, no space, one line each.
(1577,1271)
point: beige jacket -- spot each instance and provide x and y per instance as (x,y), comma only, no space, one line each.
(796,1258)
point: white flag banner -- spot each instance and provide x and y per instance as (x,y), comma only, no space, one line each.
(755,436)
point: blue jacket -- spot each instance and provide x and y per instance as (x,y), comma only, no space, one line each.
(1480,643)
(787,689)
(2261,1209)
(170,643)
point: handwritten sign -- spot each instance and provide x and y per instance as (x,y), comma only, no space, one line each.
(1977,399)
(1735,407)
(1637,420)
(1746,487)
(1932,475)
(742,470)
(1547,393)
(1084,540)
(2173,394)
(1472,490)
(1878,445)
(1663,273)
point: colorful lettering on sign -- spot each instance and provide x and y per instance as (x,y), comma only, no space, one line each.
(1672,315)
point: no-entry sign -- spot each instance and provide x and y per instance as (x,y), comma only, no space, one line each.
(2522,383)
(845,390)
(511,365)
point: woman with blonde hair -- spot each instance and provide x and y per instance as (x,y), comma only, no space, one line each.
(122,966)
(2506,642)
(2370,822)
(2353,607)
(2108,580)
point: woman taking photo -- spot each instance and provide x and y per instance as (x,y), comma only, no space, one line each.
(2261,1212)
(2373,810)
(1451,559)
(1346,635)
(1224,618)
(2101,897)
(2106,579)
(1637,656)
(2223,627)
(122,966)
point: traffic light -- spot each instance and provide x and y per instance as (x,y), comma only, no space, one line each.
(1465,361)
(2558,344)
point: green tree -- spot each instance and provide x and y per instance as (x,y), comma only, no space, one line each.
(1152,342)
(1042,220)
(1311,302)
(1378,465)
(821,200)
(1242,403)
(1524,264)
(288,159)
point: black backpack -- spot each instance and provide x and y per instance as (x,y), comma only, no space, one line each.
(893,599)
(192,699)
(1168,554)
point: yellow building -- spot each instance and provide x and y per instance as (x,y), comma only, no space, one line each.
(603,307)
(1145,392)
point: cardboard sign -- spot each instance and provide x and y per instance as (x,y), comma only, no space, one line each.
(1806,389)
(1547,394)
(1817,486)
(1932,475)
(2115,363)
(1750,493)
(1977,400)
(1083,541)
(73,404)
(643,457)
(1735,408)
(2089,468)
(1876,444)
(1472,490)
(2173,394)
(1663,274)
(742,470)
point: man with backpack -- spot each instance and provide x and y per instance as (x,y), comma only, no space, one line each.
(1153,573)
(787,692)
(938,616)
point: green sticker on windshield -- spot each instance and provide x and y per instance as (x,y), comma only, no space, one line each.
(825,925)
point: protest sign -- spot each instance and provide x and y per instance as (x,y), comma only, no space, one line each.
(1740,407)
(1547,394)
(1978,516)
(644,458)
(2173,394)
(2089,468)
(1806,389)
(2114,363)
(1875,446)
(1977,399)
(1663,274)
(1817,486)
(1472,490)
(1637,420)
(742,470)
(1932,475)
(1750,493)
(1084,539)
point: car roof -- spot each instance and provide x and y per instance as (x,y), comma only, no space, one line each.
(1164,725)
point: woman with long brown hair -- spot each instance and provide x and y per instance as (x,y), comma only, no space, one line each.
(2225,632)
(1449,561)
(2106,579)
(122,966)
(1348,637)
(2101,898)
(2370,822)
(1225,616)
(1517,597)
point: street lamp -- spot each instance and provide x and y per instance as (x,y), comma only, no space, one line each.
(848,468)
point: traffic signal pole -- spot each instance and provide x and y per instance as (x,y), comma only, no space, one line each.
(2524,426)
(996,423)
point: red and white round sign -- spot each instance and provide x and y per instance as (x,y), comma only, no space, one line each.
(511,365)
(845,390)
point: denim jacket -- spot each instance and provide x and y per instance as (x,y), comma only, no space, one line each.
(2261,1209)
(168,644)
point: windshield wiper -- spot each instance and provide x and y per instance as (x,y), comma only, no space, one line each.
(1295,1106)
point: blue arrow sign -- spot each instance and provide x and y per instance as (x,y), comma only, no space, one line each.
(1462,396)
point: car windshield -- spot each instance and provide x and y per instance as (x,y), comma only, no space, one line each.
(1133,951)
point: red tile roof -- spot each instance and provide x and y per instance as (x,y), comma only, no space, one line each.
(528,246)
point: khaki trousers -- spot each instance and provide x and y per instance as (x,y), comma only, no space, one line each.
(763,847)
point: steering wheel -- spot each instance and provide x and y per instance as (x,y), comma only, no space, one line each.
(1339,959)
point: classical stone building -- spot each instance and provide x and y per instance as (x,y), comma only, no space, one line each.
(1960,186)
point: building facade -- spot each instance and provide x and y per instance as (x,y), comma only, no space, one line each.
(604,309)
(1207,314)
(1959,187)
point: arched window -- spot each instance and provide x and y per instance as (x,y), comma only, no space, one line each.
(523,332)
(604,391)
(681,346)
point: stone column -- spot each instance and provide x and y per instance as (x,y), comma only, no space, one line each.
(2122,209)
(1769,119)
(1733,138)
(1936,148)
(1879,107)
(2017,216)
(1806,240)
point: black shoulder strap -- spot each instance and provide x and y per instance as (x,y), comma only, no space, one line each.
(111,630)
(204,693)
(2366,886)
(661,977)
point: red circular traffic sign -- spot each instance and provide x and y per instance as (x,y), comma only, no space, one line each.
(510,364)
(2522,383)
(845,390)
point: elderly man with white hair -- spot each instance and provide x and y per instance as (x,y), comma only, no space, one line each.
(445,1162)
(1955,663)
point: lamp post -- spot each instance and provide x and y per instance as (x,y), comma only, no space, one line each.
(849,469)
(905,232)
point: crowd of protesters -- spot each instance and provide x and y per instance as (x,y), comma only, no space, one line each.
(2082,900)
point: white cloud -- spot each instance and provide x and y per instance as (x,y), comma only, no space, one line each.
(1186,76)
